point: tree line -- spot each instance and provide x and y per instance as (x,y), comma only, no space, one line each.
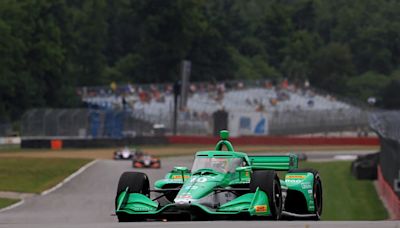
(50,47)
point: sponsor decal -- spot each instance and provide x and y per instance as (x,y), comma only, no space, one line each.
(184,196)
(310,191)
(295,177)
(191,187)
(140,209)
(293,181)
(306,185)
(260,208)
(179,177)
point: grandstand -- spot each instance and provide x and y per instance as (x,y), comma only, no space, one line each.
(289,109)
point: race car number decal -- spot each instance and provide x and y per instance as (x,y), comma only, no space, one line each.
(200,179)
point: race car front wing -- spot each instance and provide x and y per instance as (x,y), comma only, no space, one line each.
(248,204)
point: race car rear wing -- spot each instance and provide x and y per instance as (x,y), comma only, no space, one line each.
(274,162)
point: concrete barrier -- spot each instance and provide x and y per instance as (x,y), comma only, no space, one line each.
(95,143)
(205,140)
(390,198)
(10,140)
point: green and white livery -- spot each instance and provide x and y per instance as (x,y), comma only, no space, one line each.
(223,184)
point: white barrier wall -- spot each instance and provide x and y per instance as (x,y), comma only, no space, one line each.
(10,140)
(240,124)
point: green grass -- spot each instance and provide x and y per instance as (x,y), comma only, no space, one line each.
(9,148)
(7,202)
(346,198)
(35,174)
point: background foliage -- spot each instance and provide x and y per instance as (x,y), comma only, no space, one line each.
(49,47)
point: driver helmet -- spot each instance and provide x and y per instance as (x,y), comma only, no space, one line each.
(219,163)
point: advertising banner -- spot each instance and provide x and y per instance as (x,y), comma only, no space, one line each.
(248,124)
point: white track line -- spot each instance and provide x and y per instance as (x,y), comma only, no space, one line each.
(59,185)
(69,178)
(12,206)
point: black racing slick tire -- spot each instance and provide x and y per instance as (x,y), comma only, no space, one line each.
(268,182)
(317,190)
(136,182)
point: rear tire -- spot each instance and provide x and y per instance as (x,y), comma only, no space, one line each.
(136,183)
(269,183)
(317,190)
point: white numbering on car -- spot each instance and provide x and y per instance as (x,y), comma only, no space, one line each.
(198,179)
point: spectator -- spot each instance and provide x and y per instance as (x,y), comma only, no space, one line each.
(310,103)
(273,101)
(306,84)
(371,101)
(240,85)
(284,84)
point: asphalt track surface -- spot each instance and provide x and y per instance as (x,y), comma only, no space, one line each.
(88,201)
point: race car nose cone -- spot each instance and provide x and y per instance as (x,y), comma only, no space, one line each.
(182,204)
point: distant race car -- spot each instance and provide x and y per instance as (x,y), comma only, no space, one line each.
(146,161)
(223,185)
(124,154)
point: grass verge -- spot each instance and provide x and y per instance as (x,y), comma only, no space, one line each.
(7,202)
(35,174)
(346,198)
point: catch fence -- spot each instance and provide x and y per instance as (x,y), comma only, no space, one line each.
(92,123)
(81,123)
(387,126)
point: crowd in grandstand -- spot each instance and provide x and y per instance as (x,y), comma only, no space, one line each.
(206,98)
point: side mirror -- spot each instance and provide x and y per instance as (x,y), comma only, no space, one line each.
(181,169)
(243,169)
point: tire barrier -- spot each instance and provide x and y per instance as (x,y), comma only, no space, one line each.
(365,167)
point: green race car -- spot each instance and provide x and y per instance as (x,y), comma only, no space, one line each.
(223,185)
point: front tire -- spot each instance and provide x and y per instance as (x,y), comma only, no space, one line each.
(268,182)
(136,182)
(317,190)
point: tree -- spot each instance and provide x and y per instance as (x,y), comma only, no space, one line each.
(331,66)
(391,95)
(367,85)
(298,55)
(89,21)
(275,31)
